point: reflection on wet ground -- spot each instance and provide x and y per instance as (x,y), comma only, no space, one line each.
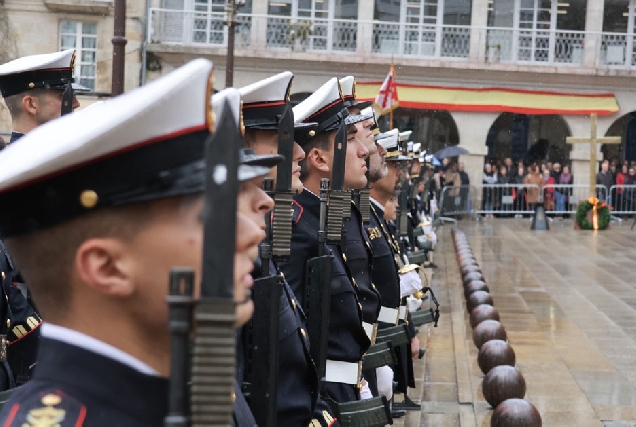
(568,302)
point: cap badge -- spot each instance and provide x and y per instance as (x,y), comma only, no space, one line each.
(211,117)
(89,199)
(73,61)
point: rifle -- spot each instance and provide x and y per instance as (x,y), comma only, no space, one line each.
(267,290)
(214,351)
(317,289)
(338,198)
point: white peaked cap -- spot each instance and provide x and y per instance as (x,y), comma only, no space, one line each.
(325,107)
(251,165)
(271,89)
(409,146)
(44,61)
(52,70)
(347,84)
(115,153)
(389,139)
(404,136)
(172,104)
(417,147)
(233,97)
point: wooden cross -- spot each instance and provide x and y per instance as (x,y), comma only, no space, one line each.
(593,140)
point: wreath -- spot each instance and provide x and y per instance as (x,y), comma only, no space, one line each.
(593,214)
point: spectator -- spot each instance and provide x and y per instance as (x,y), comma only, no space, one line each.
(563,196)
(617,198)
(604,178)
(548,166)
(548,191)
(519,193)
(629,193)
(505,198)
(512,171)
(536,182)
(464,192)
(490,177)
(452,201)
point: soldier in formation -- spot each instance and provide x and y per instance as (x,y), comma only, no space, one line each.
(97,220)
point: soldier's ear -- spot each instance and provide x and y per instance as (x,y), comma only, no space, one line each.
(319,159)
(102,265)
(30,104)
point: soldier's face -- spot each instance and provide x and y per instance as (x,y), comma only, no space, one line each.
(266,142)
(377,165)
(391,182)
(49,105)
(355,163)
(253,203)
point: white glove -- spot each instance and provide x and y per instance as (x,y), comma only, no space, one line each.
(365,392)
(410,283)
(385,381)
(413,303)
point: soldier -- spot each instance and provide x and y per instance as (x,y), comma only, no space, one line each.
(347,339)
(298,399)
(33,89)
(387,259)
(96,221)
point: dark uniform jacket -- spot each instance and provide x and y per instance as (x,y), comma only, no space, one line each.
(22,321)
(298,398)
(347,340)
(77,387)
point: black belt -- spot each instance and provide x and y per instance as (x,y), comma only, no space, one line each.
(381,354)
(374,412)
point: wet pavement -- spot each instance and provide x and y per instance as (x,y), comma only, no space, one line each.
(568,302)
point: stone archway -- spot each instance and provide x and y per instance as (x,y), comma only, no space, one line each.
(624,127)
(435,129)
(523,137)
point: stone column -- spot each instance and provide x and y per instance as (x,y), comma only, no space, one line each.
(365,28)
(473,129)
(478,23)
(593,22)
(259,25)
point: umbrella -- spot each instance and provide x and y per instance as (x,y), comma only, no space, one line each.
(452,151)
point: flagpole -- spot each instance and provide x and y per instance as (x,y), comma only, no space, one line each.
(391,112)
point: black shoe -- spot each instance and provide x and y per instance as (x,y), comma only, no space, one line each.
(421,353)
(407,405)
(397,414)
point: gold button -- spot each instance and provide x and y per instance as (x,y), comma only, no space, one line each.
(89,198)
(360,305)
(282,275)
(7,297)
(373,286)
(344,257)
(3,275)
(233,397)
(354,282)
(8,323)
(294,304)
(303,333)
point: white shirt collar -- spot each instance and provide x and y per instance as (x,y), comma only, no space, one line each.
(78,339)
(377,204)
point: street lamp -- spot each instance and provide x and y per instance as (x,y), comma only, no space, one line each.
(231,7)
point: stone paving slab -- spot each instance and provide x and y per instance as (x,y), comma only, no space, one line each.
(568,302)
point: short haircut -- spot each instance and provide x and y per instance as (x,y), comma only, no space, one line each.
(14,102)
(322,141)
(46,257)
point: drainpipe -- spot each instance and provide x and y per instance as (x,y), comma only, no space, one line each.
(144,43)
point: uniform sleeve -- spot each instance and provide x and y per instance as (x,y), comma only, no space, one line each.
(323,416)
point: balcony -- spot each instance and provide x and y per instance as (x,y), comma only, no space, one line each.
(260,35)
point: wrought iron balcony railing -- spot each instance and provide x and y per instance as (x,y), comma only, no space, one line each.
(374,38)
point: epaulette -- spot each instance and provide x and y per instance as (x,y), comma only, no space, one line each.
(298,212)
(47,408)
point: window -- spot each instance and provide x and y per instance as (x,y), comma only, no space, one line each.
(82,37)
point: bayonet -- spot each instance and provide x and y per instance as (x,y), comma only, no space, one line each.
(337,195)
(214,351)
(283,213)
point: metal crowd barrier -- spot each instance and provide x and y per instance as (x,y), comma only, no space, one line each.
(507,200)
(488,199)
(560,199)
(623,199)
